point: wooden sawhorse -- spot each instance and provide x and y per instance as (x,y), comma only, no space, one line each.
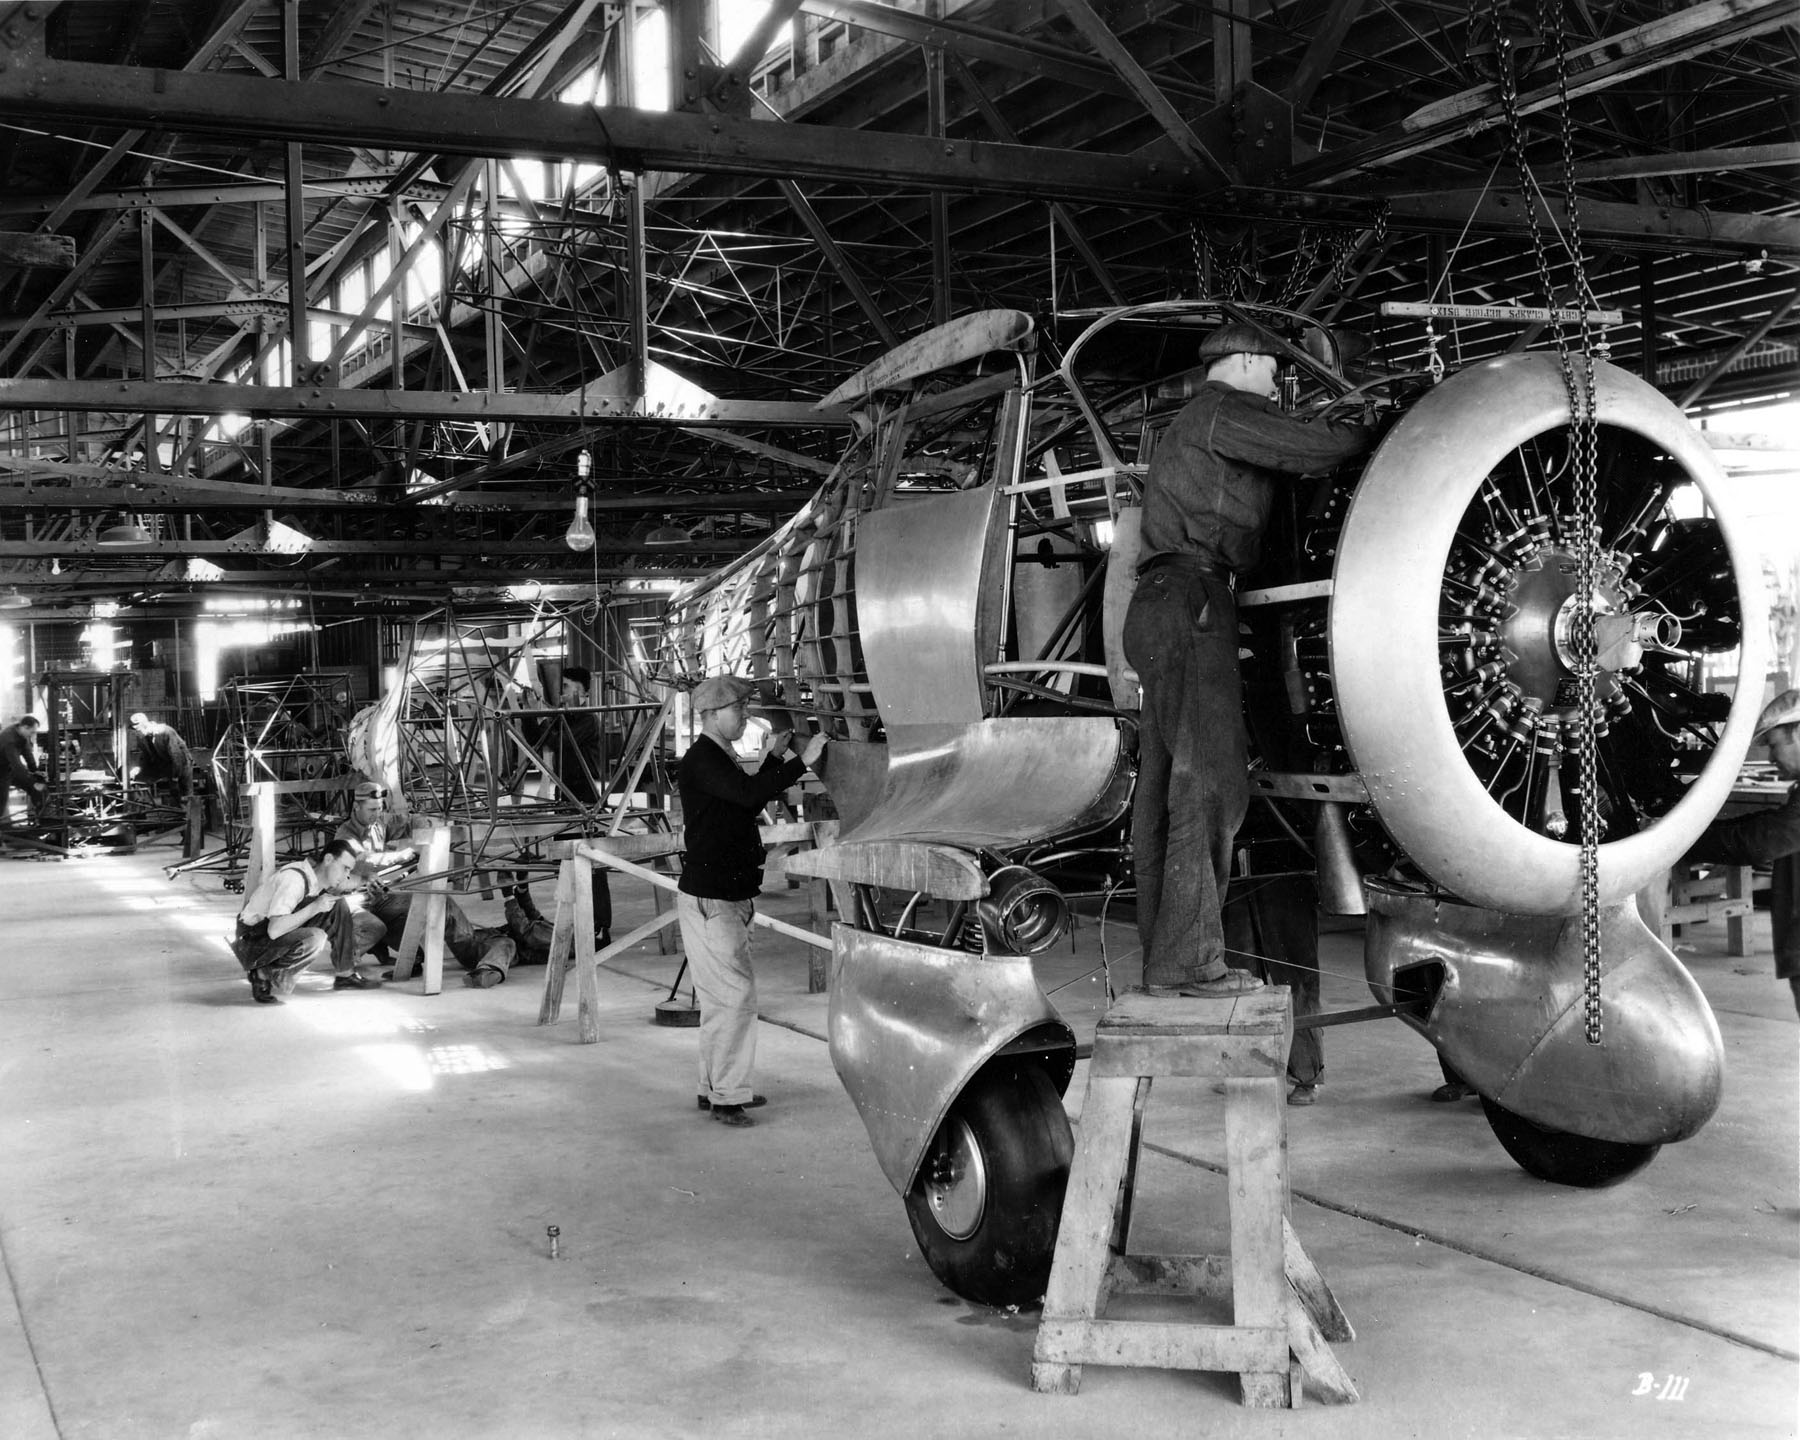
(1281,1306)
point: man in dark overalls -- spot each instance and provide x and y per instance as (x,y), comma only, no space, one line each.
(21,765)
(1207,499)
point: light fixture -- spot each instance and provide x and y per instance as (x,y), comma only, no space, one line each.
(580,535)
(667,533)
(13,598)
(127,533)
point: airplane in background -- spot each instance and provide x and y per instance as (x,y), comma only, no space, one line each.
(948,608)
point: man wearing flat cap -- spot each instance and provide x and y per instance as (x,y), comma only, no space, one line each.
(1211,485)
(1770,837)
(366,830)
(721,876)
(161,756)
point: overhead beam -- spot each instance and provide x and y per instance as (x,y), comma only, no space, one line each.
(1610,221)
(177,493)
(250,107)
(234,192)
(323,402)
(548,546)
(1691,162)
(52,252)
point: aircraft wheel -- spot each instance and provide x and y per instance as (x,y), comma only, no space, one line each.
(1565,1159)
(989,1193)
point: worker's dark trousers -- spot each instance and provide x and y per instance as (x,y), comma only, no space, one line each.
(1272,930)
(1181,638)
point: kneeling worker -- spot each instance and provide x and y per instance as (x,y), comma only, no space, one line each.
(293,920)
(721,877)
(367,829)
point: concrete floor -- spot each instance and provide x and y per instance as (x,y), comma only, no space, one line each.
(329,1219)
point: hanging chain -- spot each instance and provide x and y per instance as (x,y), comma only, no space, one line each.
(1583,462)
(1205,268)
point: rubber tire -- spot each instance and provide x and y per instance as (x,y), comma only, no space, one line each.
(1564,1159)
(1017,1121)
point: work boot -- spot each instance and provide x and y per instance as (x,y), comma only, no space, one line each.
(262,988)
(1232,982)
(1304,1093)
(731,1115)
(355,980)
(483,977)
(755,1102)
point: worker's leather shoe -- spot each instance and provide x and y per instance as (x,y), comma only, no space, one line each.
(483,977)
(1303,1094)
(262,989)
(755,1102)
(731,1115)
(1232,982)
(355,980)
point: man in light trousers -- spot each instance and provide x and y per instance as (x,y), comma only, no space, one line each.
(721,876)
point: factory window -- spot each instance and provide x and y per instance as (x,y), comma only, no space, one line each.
(737,18)
(353,290)
(12,674)
(425,280)
(380,266)
(213,637)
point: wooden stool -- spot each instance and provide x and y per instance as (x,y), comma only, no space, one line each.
(1281,1306)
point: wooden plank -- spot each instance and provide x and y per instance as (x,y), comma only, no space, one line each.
(1083,1246)
(1161,1345)
(587,982)
(562,947)
(437,903)
(412,939)
(1206,1056)
(260,863)
(1261,1012)
(1208,1275)
(1256,1161)
(1317,1360)
(1310,1286)
(632,937)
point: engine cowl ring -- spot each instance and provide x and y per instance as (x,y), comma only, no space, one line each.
(1386,646)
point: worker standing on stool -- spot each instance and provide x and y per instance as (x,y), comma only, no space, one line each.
(1770,837)
(21,766)
(162,756)
(721,876)
(1272,932)
(293,920)
(1207,499)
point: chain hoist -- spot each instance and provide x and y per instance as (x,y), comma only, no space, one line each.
(1584,437)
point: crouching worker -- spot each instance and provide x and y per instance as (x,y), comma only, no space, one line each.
(292,921)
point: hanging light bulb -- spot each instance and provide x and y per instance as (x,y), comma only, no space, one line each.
(580,535)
